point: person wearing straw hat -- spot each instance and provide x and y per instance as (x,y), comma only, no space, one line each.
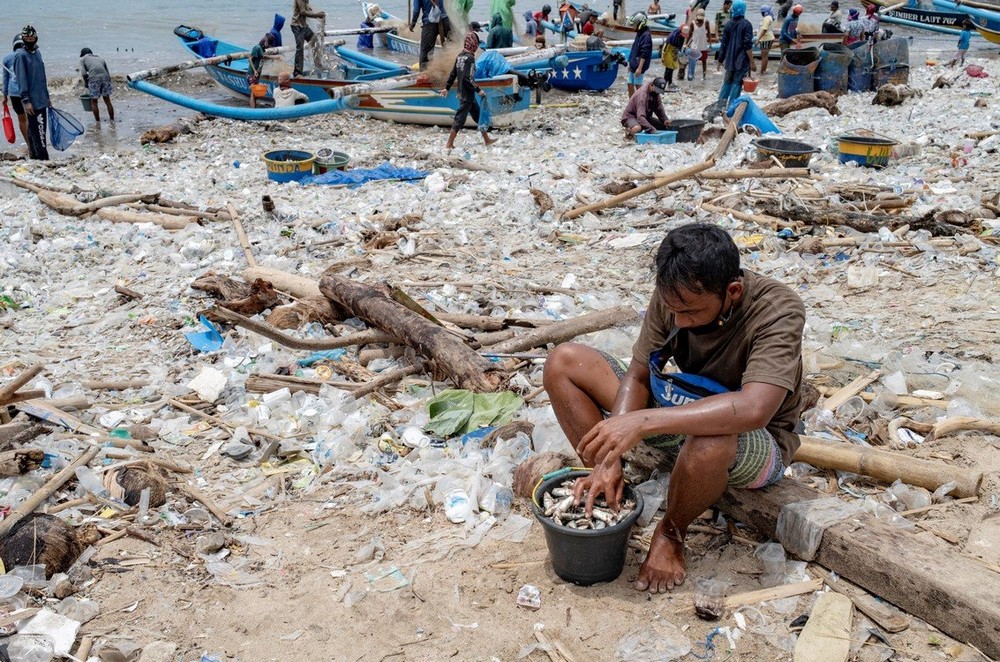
(29,68)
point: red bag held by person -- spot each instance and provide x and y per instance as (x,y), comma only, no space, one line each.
(8,125)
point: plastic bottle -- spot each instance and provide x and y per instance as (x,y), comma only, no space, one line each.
(90,482)
(496,499)
(457,506)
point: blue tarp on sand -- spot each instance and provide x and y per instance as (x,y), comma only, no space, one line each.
(355,178)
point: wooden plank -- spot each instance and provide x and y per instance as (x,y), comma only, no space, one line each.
(888,617)
(949,591)
(827,634)
(847,392)
(46,412)
(774,593)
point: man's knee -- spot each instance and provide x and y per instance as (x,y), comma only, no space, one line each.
(709,451)
(563,361)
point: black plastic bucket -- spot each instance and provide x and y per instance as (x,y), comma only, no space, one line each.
(688,131)
(585,556)
(791,153)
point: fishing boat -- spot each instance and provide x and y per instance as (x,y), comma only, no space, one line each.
(992,36)
(593,71)
(917,15)
(983,15)
(417,103)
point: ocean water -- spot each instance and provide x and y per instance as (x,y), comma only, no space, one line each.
(137,34)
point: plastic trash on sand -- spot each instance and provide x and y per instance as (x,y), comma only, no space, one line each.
(658,641)
(205,341)
(529,597)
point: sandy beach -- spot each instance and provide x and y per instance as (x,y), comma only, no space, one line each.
(347,558)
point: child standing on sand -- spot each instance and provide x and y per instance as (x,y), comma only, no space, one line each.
(964,37)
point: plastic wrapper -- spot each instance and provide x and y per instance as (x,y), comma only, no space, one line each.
(657,641)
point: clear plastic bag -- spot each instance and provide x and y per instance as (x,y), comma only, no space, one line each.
(800,525)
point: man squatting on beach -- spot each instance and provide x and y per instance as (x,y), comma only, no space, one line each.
(737,337)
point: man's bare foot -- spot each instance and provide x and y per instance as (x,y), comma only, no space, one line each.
(489,141)
(664,566)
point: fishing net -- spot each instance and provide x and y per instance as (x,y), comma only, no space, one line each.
(64,129)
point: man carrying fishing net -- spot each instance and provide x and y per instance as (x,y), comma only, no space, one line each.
(726,419)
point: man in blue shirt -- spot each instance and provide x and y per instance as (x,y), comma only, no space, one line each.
(30,73)
(790,29)
(736,49)
(11,90)
(640,54)
(434,22)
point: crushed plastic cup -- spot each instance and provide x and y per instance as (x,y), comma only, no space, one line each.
(205,341)
(529,597)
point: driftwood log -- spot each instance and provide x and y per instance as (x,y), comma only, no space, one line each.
(20,461)
(165,221)
(938,223)
(70,206)
(821,99)
(449,354)
(566,330)
(243,298)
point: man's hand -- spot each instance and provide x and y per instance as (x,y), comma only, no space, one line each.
(604,479)
(28,108)
(482,94)
(321,14)
(443,92)
(608,441)
(5,100)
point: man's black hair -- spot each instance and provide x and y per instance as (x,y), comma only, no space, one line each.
(698,258)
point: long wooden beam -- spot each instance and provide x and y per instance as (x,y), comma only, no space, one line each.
(950,591)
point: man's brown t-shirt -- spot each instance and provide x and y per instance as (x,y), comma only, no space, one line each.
(761,342)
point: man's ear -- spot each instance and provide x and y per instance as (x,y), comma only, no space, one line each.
(735,290)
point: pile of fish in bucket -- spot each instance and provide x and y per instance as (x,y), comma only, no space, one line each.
(558,505)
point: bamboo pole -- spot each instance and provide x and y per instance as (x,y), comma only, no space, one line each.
(887,466)
(241,234)
(757,219)
(26,376)
(616,200)
(47,490)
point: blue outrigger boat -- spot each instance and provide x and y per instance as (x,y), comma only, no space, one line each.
(583,71)
(984,16)
(418,103)
(916,15)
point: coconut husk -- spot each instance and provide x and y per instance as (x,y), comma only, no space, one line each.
(45,539)
(128,483)
(529,472)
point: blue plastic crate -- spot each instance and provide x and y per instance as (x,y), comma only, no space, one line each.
(658,138)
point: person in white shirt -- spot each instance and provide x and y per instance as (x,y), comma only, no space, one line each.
(284,95)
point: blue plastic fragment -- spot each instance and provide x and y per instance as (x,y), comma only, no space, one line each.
(205,341)
(325,355)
